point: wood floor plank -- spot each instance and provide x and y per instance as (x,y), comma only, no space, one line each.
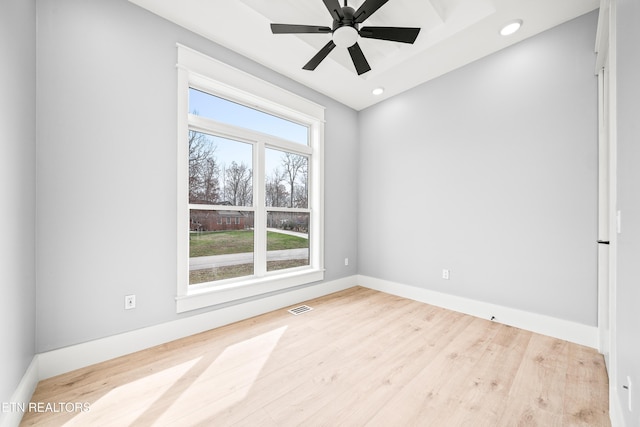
(536,397)
(429,397)
(361,357)
(219,403)
(340,360)
(483,394)
(80,385)
(586,391)
(364,395)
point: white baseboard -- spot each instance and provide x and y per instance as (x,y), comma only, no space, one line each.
(545,325)
(615,407)
(55,362)
(67,359)
(21,396)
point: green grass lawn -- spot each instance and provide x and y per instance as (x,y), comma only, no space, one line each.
(278,241)
(239,241)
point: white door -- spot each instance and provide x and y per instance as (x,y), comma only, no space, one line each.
(604,213)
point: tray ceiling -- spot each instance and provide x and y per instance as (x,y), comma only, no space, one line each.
(454,33)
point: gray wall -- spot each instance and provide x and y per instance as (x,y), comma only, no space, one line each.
(628,289)
(106,184)
(17,191)
(490,171)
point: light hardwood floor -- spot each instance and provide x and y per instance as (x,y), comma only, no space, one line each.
(359,358)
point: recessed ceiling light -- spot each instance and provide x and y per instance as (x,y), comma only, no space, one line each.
(378,91)
(511,27)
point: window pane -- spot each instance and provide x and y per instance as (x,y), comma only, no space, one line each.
(287,240)
(220,245)
(220,171)
(222,110)
(286,179)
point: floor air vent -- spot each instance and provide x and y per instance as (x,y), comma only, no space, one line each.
(300,310)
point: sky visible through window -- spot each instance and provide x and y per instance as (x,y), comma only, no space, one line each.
(226,150)
(222,110)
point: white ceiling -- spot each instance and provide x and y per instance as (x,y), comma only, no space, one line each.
(453,33)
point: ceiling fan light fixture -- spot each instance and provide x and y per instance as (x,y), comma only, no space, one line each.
(511,27)
(345,32)
(345,36)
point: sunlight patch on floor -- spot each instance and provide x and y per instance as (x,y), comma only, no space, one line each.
(197,389)
(126,403)
(225,382)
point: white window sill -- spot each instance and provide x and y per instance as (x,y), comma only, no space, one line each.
(214,295)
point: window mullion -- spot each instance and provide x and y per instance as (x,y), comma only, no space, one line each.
(260,215)
(294,210)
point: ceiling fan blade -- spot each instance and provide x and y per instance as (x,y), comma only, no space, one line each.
(334,9)
(367,9)
(298,29)
(360,62)
(316,60)
(395,34)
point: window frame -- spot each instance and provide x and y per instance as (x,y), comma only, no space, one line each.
(198,71)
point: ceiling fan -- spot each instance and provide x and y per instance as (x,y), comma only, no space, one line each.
(345,31)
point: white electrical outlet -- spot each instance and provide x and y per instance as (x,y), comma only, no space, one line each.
(346,261)
(129,302)
(445,274)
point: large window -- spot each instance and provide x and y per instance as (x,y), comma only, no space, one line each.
(249,185)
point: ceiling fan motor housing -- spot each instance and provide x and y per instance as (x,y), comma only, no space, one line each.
(346,19)
(345,30)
